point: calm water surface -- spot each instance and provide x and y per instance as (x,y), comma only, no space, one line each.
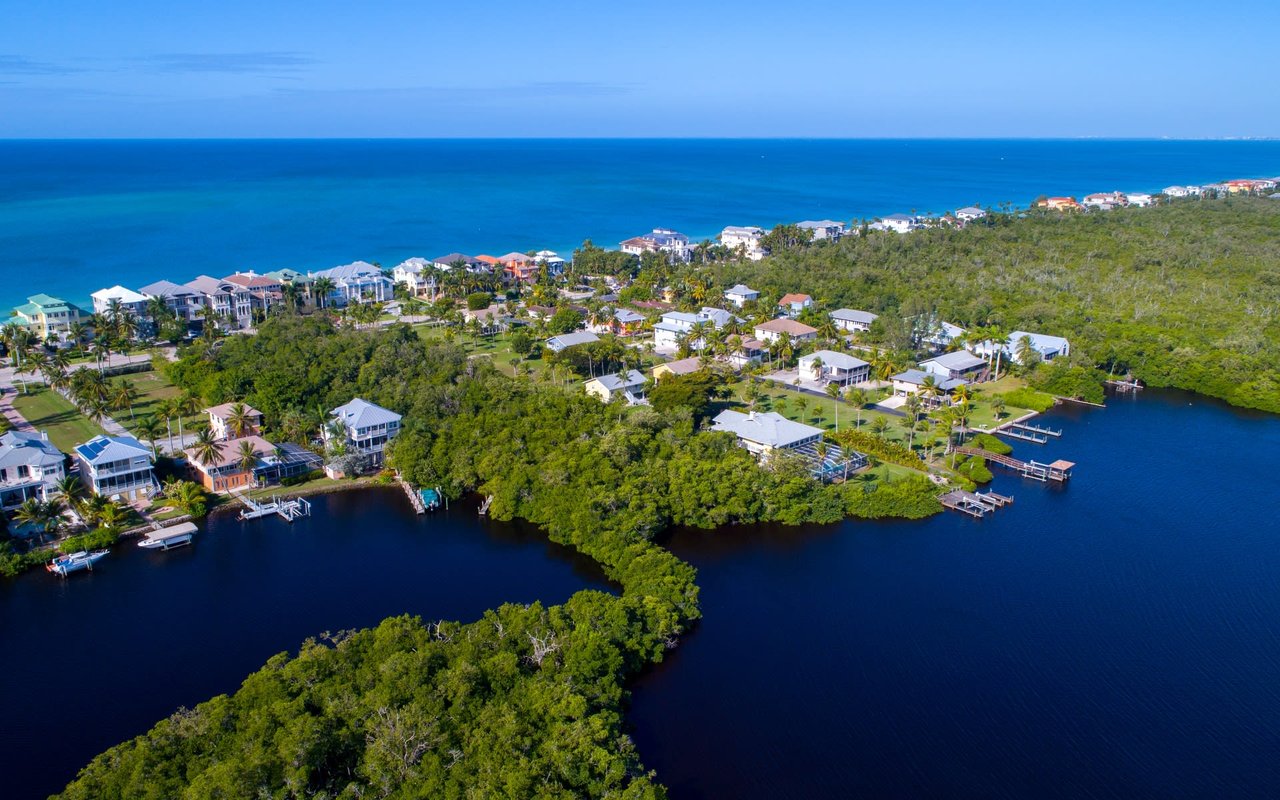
(93,660)
(1116,638)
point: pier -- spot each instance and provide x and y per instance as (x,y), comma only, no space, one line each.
(975,504)
(1129,384)
(415,499)
(288,510)
(1058,470)
(1025,431)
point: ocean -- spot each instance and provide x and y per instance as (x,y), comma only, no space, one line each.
(76,216)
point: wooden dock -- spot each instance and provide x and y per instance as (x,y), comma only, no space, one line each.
(975,504)
(1125,386)
(1057,471)
(415,499)
(288,510)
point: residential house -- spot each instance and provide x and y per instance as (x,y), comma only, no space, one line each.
(767,434)
(358,281)
(622,322)
(364,429)
(459,261)
(1140,199)
(493,319)
(117,466)
(960,364)
(1059,204)
(486,263)
(748,238)
(230,301)
(227,471)
(551,260)
(673,325)
(417,275)
(1180,191)
(661,240)
(829,366)
(683,366)
(748,352)
(30,467)
(264,292)
(119,297)
(792,304)
(898,223)
(969,213)
(823,228)
(627,385)
(221,423)
(941,335)
(563,341)
(48,317)
(913,381)
(773,330)
(848,319)
(183,301)
(1105,201)
(519,268)
(741,294)
(1049,347)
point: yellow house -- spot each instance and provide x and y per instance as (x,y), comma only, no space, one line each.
(47,317)
(684,366)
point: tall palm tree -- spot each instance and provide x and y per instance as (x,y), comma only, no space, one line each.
(206,449)
(123,394)
(859,398)
(833,391)
(239,420)
(247,456)
(149,427)
(321,288)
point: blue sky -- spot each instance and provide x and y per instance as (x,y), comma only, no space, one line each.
(823,69)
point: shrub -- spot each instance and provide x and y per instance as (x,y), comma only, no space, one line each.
(1029,398)
(988,442)
(478,300)
(95,539)
(975,469)
(885,450)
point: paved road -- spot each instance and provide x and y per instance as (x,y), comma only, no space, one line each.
(10,377)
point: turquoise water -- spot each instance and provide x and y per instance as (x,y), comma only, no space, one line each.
(79,215)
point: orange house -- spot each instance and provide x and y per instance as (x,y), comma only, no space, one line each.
(1059,204)
(225,472)
(519,267)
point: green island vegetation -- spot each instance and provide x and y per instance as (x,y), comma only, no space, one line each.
(528,700)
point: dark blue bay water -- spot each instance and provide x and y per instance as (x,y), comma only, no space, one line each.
(96,659)
(79,215)
(1114,638)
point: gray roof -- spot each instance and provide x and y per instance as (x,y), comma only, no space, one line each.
(741,289)
(103,449)
(831,358)
(850,315)
(768,428)
(917,377)
(18,448)
(212,286)
(166,289)
(959,360)
(356,269)
(625,315)
(616,381)
(565,340)
(363,414)
(899,218)
(812,224)
(971,210)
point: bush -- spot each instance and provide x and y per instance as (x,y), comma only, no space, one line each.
(1059,378)
(885,450)
(96,539)
(975,469)
(988,442)
(295,480)
(13,563)
(1029,398)
(910,498)
(478,300)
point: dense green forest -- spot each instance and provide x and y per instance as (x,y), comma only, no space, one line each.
(1185,295)
(526,702)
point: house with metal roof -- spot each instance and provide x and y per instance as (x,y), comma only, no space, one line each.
(48,317)
(767,434)
(969,213)
(418,275)
(183,301)
(1049,347)
(30,467)
(898,223)
(741,294)
(628,385)
(362,428)
(823,228)
(848,319)
(960,364)
(675,324)
(563,341)
(829,366)
(117,466)
(913,381)
(940,335)
(661,240)
(119,297)
(358,281)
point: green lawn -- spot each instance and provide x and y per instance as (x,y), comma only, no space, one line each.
(49,411)
(153,390)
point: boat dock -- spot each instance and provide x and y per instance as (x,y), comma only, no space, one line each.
(415,499)
(170,537)
(1125,386)
(975,504)
(1057,471)
(288,510)
(1027,432)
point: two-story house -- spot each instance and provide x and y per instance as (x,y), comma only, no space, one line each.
(364,428)
(229,470)
(230,301)
(747,238)
(116,466)
(417,275)
(30,467)
(358,281)
(224,420)
(661,240)
(823,228)
(183,301)
(48,317)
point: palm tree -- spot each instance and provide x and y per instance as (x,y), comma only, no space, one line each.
(122,396)
(321,288)
(997,405)
(111,516)
(912,405)
(879,424)
(801,404)
(833,391)
(859,398)
(205,449)
(149,427)
(240,420)
(247,456)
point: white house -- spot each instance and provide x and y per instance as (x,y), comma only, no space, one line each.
(116,466)
(793,303)
(969,213)
(126,299)
(960,364)
(627,385)
(30,466)
(848,319)
(1049,347)
(222,426)
(766,432)
(230,301)
(773,330)
(418,276)
(740,295)
(1181,191)
(912,381)
(748,238)
(1104,201)
(358,281)
(552,261)
(823,228)
(1140,199)
(941,334)
(833,367)
(564,341)
(675,324)
(898,223)
(660,240)
(364,428)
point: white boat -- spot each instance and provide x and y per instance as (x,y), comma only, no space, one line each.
(74,562)
(169,538)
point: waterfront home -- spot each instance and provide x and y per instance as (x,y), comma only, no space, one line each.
(222,423)
(1248,185)
(774,329)
(264,292)
(829,366)
(1048,347)
(459,261)
(1105,201)
(741,294)
(487,263)
(823,228)
(551,261)
(622,322)
(519,268)
(117,466)
(627,385)
(673,325)
(363,428)
(227,471)
(118,297)
(969,213)
(747,238)
(1180,191)
(30,467)
(417,275)
(48,317)
(767,434)
(358,281)
(960,364)
(683,366)
(851,320)
(183,301)
(661,240)
(898,223)
(1139,199)
(563,341)
(792,304)
(1059,204)
(914,381)
(230,301)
